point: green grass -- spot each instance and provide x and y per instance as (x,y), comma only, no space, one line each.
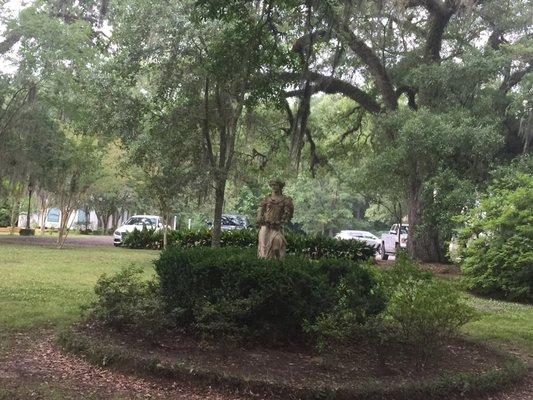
(503,323)
(45,286)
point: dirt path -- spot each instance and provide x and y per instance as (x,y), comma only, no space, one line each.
(31,367)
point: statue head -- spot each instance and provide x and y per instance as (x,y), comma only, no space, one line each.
(276,185)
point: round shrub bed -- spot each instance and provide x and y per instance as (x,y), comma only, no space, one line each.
(307,328)
(463,371)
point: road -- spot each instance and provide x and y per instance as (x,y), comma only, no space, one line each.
(51,240)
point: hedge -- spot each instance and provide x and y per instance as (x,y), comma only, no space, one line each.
(314,247)
(230,292)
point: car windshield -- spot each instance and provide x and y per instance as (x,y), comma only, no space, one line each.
(229,221)
(404,229)
(233,220)
(141,221)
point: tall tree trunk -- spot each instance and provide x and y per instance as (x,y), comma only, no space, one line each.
(220,188)
(165,230)
(42,219)
(423,245)
(15,206)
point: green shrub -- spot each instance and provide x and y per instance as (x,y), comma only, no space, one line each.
(127,302)
(422,311)
(229,291)
(27,232)
(314,247)
(144,239)
(497,240)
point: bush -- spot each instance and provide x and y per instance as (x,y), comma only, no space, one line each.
(127,302)
(27,232)
(314,247)
(144,239)
(497,241)
(422,311)
(229,291)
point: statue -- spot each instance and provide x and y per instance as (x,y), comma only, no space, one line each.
(275,210)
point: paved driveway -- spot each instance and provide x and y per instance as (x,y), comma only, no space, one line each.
(50,240)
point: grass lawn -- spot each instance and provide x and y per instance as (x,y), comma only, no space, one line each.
(42,286)
(503,323)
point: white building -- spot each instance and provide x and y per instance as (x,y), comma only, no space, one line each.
(78,219)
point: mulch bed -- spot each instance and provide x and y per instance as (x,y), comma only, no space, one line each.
(355,368)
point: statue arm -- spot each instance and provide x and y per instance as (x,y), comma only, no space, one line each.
(260,213)
(289,210)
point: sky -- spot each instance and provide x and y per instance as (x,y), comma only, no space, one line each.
(8,10)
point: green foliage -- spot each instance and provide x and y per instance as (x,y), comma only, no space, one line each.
(497,240)
(5,213)
(422,311)
(314,247)
(231,291)
(143,239)
(126,301)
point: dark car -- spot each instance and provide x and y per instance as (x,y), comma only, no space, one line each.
(230,222)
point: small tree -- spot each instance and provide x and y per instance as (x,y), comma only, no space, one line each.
(76,170)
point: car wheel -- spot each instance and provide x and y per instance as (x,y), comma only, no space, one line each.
(384,255)
(116,244)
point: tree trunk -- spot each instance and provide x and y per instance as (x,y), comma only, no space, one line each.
(220,189)
(114,220)
(15,205)
(423,245)
(42,221)
(165,231)
(63,226)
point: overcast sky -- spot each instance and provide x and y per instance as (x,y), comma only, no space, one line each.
(9,10)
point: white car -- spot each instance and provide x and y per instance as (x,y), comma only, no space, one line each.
(362,236)
(394,241)
(138,222)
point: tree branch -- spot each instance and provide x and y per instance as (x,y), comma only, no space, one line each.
(372,61)
(205,125)
(513,79)
(440,14)
(10,40)
(332,85)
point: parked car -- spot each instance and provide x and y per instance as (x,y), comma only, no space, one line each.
(232,222)
(363,236)
(138,222)
(394,240)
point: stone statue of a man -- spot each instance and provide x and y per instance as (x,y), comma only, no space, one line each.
(275,210)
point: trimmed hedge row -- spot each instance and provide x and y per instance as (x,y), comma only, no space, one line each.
(229,292)
(314,247)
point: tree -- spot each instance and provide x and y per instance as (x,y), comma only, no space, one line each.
(77,164)
(416,67)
